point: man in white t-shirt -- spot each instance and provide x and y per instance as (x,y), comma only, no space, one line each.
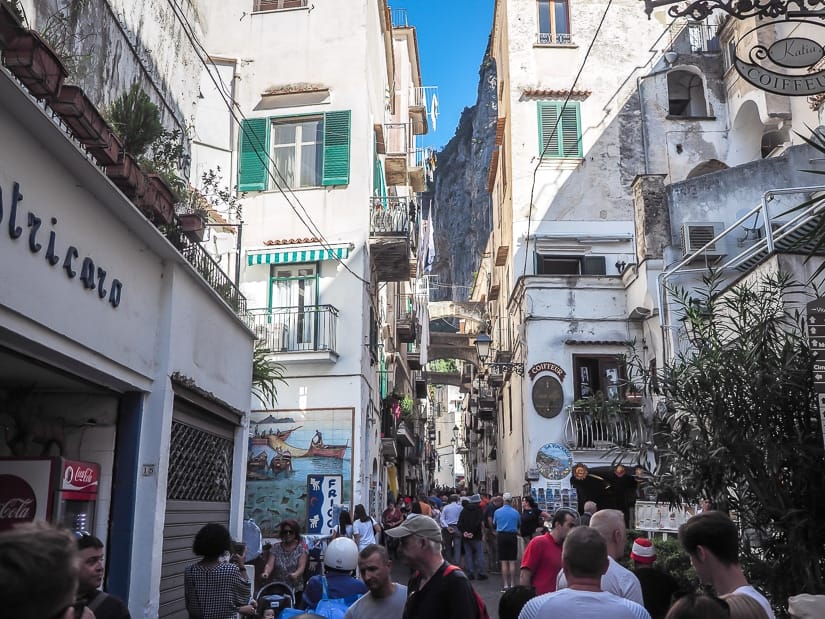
(712,541)
(386,598)
(617,580)
(584,562)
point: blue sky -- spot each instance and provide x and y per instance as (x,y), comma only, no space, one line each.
(452,36)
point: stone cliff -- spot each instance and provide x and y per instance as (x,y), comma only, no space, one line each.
(463,214)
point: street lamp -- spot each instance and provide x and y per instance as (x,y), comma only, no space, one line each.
(483,344)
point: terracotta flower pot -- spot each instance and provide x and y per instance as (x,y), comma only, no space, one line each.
(192,225)
(10,26)
(87,124)
(161,209)
(127,175)
(34,63)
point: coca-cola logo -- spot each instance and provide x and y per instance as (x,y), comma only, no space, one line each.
(17,501)
(84,474)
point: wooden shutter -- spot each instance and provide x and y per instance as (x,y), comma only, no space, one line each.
(253,158)
(548,133)
(336,148)
(563,140)
(570,131)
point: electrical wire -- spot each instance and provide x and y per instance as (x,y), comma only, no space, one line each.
(553,132)
(261,151)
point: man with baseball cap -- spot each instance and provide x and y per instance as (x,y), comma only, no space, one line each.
(436,588)
(657,586)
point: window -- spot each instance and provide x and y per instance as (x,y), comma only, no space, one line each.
(603,374)
(570,265)
(554,22)
(686,94)
(559,130)
(729,52)
(278,5)
(294,305)
(304,151)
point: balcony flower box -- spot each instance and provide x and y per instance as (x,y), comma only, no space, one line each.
(158,200)
(192,225)
(127,175)
(34,63)
(10,26)
(87,124)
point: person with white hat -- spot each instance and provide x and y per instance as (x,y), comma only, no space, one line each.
(657,586)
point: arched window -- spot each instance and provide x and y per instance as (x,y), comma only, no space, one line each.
(686,94)
(706,167)
(774,139)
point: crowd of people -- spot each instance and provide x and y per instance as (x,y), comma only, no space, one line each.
(565,569)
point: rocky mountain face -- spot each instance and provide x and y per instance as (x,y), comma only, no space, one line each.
(463,208)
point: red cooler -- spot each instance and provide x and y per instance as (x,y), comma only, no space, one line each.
(56,490)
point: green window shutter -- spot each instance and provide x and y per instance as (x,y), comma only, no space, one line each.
(548,133)
(570,130)
(565,140)
(252,160)
(336,148)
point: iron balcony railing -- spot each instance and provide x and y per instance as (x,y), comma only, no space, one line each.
(296,329)
(399,18)
(210,270)
(585,430)
(390,215)
(278,5)
(554,38)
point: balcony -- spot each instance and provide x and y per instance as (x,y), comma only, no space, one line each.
(586,430)
(304,333)
(423,108)
(390,237)
(210,270)
(406,323)
(397,145)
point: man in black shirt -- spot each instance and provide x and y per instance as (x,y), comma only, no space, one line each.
(431,592)
(103,605)
(657,587)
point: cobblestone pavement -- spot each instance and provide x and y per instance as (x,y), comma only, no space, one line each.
(489,590)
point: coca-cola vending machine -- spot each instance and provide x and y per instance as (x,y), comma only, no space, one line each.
(56,490)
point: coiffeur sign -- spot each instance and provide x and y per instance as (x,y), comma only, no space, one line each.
(786,67)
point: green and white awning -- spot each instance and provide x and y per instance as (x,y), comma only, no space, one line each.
(297,253)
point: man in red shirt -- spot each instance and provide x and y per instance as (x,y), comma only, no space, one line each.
(542,557)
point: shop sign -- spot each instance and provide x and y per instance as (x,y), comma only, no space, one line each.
(547,366)
(816,340)
(786,67)
(91,275)
(18,502)
(324,495)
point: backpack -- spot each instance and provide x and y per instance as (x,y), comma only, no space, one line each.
(482,607)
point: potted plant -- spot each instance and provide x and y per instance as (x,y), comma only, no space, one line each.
(34,63)
(87,124)
(193,225)
(11,25)
(127,175)
(160,205)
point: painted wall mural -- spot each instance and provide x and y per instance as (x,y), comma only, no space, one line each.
(285,446)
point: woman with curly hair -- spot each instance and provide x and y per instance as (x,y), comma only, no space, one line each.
(215,589)
(288,560)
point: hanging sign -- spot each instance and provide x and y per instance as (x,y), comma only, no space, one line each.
(547,366)
(816,341)
(786,67)
(324,497)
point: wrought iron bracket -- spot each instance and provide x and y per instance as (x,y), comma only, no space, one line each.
(502,367)
(741,9)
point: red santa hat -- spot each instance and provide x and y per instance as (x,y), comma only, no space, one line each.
(643,551)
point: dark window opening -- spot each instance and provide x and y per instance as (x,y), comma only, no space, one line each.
(603,374)
(570,265)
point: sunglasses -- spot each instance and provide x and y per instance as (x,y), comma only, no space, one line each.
(287,532)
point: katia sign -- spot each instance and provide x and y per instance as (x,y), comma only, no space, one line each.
(17,501)
(788,66)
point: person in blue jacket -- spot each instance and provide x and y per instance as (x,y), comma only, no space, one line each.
(340,559)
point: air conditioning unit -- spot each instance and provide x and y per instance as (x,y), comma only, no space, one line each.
(695,236)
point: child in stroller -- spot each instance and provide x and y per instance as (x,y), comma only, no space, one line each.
(273,598)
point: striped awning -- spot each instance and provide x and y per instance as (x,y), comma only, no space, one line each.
(297,253)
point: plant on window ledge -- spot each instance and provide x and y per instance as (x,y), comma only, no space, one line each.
(136,120)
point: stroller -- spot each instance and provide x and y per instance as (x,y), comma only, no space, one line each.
(275,595)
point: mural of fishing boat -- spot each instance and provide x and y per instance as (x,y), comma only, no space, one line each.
(263,438)
(281,462)
(327,451)
(257,461)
